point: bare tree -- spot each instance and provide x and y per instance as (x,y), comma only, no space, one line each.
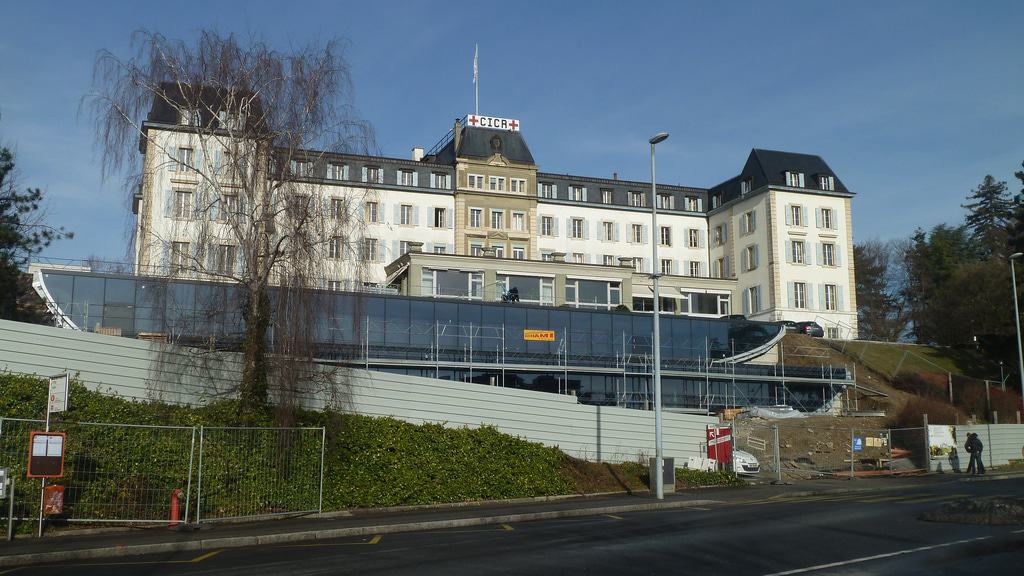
(247,129)
(882,312)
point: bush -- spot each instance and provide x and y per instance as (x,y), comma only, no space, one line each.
(912,413)
(367,462)
(700,479)
(932,386)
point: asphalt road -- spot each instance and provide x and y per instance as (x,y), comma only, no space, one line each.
(850,533)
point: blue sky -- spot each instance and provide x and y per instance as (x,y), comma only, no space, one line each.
(911,103)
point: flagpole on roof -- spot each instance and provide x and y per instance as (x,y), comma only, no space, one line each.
(476,81)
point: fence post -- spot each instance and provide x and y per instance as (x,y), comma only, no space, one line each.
(949,378)
(188,490)
(10,508)
(892,472)
(199,487)
(851,453)
(323,446)
(927,446)
(778,459)
(995,417)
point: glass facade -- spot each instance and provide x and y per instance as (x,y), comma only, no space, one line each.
(601,356)
(189,309)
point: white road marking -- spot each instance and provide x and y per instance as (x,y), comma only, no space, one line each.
(875,557)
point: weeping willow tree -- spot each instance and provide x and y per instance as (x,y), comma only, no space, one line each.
(236,140)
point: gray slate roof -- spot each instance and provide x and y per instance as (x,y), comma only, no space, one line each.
(484,143)
(765,167)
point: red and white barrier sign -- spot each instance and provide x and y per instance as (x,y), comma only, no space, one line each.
(720,444)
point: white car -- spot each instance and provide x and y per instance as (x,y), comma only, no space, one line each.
(745,462)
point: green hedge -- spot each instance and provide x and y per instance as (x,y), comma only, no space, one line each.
(369,461)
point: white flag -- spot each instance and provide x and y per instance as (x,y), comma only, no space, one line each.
(476,53)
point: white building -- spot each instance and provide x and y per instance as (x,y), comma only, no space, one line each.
(777,238)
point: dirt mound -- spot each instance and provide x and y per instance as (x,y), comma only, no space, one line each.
(998,511)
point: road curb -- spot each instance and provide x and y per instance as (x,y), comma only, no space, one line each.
(207,544)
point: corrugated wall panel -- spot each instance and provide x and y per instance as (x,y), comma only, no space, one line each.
(141,370)
(1002,442)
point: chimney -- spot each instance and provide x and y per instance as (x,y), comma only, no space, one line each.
(417,154)
(626,261)
(615,175)
(457,132)
(558,256)
(416,246)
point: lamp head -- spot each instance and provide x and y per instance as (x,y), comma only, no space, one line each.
(1016,255)
(659,137)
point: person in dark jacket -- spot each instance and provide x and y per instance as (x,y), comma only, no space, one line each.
(974,447)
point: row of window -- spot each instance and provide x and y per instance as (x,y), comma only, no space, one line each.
(828,297)
(184,161)
(800,295)
(516,252)
(795,180)
(496,219)
(218,259)
(828,253)
(533,290)
(692,303)
(796,215)
(579,229)
(637,199)
(496,183)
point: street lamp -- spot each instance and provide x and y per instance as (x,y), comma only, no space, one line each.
(1016,318)
(655,274)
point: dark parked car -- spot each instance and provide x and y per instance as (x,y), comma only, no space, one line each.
(734,317)
(790,325)
(810,328)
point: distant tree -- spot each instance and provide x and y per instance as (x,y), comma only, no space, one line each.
(1016,234)
(24,233)
(989,217)
(974,305)
(881,312)
(930,260)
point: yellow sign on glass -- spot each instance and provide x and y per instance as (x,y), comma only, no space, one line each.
(546,335)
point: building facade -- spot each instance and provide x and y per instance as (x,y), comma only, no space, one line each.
(773,243)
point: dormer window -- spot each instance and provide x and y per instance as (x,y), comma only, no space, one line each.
(302,168)
(745,187)
(229,120)
(795,179)
(826,182)
(189,118)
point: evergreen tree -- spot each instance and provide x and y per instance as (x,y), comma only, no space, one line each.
(23,233)
(930,261)
(1016,235)
(990,212)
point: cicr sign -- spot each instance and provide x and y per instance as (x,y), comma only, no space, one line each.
(477,121)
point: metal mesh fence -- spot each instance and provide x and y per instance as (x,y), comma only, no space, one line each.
(789,450)
(112,472)
(14,434)
(245,472)
(123,473)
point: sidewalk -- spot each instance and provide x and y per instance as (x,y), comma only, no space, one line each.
(357,523)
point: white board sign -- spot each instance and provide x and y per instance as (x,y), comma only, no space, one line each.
(477,121)
(58,396)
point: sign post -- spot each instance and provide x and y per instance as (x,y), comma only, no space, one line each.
(720,444)
(57,401)
(7,491)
